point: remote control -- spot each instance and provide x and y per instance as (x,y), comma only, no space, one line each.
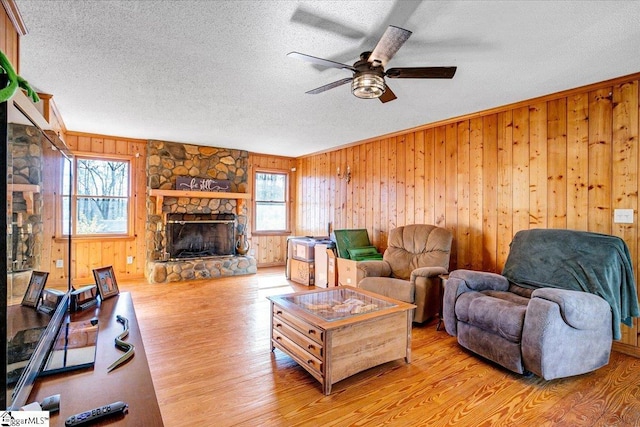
(85,417)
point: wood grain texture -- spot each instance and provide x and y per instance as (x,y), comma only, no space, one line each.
(94,253)
(9,40)
(561,161)
(600,168)
(221,372)
(270,249)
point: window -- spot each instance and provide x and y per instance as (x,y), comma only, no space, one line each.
(271,202)
(100,198)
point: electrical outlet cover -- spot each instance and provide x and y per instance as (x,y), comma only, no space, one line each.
(623,216)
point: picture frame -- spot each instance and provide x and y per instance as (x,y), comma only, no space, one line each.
(106,281)
(50,300)
(34,289)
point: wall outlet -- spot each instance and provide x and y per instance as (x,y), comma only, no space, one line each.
(129,259)
(59,263)
(623,216)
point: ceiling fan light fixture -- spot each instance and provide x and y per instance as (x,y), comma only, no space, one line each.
(368,85)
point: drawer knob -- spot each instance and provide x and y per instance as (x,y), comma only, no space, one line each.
(310,362)
(312,331)
(278,339)
(279,312)
(278,325)
(311,346)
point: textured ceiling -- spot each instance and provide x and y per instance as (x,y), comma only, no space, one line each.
(216,72)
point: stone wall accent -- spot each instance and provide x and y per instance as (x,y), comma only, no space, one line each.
(165,162)
(25,160)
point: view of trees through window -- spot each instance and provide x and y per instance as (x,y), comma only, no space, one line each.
(101,199)
(271,203)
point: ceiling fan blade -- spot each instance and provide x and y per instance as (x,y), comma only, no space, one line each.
(304,17)
(387,96)
(320,61)
(392,40)
(421,73)
(399,14)
(402,11)
(329,86)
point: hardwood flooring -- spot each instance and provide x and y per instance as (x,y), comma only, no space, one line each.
(208,348)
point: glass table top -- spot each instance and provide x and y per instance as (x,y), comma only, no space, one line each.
(338,304)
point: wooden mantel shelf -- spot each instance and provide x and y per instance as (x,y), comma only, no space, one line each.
(160,194)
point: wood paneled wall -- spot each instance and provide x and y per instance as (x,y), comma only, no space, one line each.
(10,33)
(270,249)
(88,254)
(92,253)
(561,161)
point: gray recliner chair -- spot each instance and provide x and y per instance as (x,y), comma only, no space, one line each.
(554,310)
(416,256)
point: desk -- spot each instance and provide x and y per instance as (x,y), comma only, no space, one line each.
(85,389)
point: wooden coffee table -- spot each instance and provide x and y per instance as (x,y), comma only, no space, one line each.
(337,332)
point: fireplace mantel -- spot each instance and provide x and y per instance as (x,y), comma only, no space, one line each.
(27,190)
(160,194)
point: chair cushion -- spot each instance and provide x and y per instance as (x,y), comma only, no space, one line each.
(402,290)
(499,312)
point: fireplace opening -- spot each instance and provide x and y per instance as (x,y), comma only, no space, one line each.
(193,236)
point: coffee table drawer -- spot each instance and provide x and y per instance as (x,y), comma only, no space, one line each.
(305,328)
(302,340)
(308,360)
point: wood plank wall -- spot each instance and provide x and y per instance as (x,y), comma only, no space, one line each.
(562,161)
(88,254)
(270,249)
(9,39)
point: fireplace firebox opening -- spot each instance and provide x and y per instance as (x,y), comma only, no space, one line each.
(194,236)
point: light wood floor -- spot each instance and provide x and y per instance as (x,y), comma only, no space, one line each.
(208,348)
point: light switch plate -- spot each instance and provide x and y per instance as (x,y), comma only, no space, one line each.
(623,216)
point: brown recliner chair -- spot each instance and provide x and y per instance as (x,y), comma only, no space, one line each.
(416,255)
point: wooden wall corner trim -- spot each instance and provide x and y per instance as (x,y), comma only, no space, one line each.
(15,17)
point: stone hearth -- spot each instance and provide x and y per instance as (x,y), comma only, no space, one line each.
(176,271)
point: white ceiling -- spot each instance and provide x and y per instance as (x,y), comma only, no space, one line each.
(216,72)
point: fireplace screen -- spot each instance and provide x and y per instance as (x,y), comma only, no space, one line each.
(200,235)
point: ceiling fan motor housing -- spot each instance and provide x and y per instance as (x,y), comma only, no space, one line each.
(368,80)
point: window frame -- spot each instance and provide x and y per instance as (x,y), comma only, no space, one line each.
(74,196)
(287,202)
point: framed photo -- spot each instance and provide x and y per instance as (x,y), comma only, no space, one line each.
(34,290)
(106,282)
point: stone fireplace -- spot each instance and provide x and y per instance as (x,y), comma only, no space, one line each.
(192,234)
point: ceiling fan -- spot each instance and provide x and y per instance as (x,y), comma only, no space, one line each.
(369,73)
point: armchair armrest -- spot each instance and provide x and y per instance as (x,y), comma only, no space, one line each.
(566,333)
(427,272)
(481,280)
(373,269)
(580,310)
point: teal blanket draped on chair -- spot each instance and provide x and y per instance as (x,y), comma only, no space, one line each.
(590,262)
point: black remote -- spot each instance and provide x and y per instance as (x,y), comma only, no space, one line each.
(86,417)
